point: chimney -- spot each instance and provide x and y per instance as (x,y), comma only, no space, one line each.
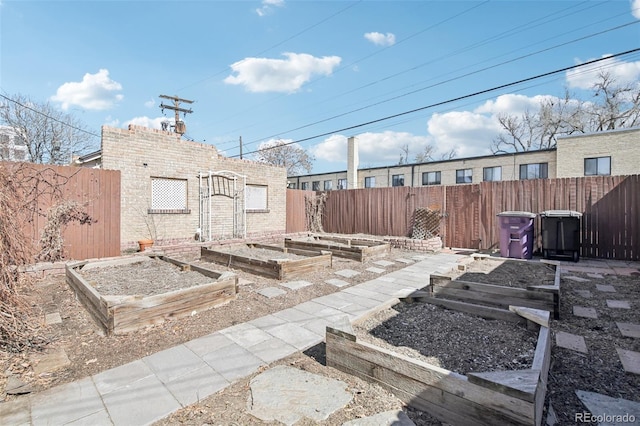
(352,163)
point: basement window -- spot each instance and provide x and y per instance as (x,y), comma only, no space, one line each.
(168,196)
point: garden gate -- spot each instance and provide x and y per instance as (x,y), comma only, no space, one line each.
(226,184)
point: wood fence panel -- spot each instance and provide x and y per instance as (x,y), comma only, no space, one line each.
(98,191)
(610,206)
(296,219)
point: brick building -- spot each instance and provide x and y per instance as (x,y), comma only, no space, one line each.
(605,153)
(162,177)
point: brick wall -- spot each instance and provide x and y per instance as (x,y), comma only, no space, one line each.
(142,154)
(623,146)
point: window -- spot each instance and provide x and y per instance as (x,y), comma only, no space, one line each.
(492,174)
(600,166)
(168,196)
(328,185)
(533,171)
(256,199)
(342,184)
(370,182)
(397,180)
(431,178)
(315,185)
(464,176)
(304,186)
(292,185)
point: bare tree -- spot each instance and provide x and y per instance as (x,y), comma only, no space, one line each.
(404,156)
(613,106)
(51,136)
(290,156)
(427,155)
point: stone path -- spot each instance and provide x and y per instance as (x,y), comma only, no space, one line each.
(153,387)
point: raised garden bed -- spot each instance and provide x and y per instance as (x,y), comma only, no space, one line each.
(357,249)
(121,312)
(281,263)
(484,398)
(534,285)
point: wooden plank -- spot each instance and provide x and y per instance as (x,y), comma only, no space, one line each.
(151,310)
(437,385)
(470,308)
(493,289)
(521,384)
(90,299)
(538,316)
(492,299)
(542,362)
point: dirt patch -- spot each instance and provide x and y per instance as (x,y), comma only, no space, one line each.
(258,253)
(507,273)
(148,277)
(452,340)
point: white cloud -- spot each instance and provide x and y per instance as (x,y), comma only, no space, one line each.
(635,8)
(151,123)
(621,72)
(467,133)
(388,39)
(280,75)
(373,148)
(268,5)
(512,104)
(94,92)
(150,103)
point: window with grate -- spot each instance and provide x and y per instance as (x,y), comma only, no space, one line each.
(257,198)
(168,196)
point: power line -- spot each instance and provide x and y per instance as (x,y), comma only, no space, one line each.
(481,92)
(449,80)
(49,117)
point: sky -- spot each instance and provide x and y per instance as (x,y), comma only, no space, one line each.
(391,73)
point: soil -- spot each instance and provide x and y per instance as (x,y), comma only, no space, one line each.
(91,352)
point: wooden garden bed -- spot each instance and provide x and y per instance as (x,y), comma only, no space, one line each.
(360,250)
(118,314)
(535,295)
(488,398)
(285,263)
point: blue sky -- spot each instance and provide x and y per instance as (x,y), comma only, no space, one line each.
(293,70)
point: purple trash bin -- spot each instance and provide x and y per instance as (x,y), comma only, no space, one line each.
(516,234)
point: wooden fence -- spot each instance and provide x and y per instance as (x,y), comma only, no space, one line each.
(98,191)
(296,221)
(610,207)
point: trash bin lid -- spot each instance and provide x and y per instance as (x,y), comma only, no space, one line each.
(517,214)
(561,213)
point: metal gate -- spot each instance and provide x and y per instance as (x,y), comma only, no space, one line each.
(214,218)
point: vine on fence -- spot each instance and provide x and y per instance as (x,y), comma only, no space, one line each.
(314,210)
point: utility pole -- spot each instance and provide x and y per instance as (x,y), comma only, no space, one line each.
(241,147)
(179,127)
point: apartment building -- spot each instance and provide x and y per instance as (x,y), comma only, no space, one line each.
(614,152)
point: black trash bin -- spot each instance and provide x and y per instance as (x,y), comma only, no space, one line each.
(561,234)
(516,234)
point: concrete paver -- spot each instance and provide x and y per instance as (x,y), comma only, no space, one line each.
(388,418)
(405,261)
(296,285)
(571,341)
(629,330)
(618,304)
(66,403)
(141,402)
(296,336)
(233,362)
(630,360)
(337,283)
(272,350)
(49,362)
(607,407)
(294,316)
(585,294)
(245,334)
(576,279)
(585,312)
(174,362)
(376,270)
(347,273)
(605,288)
(53,318)
(196,385)
(271,292)
(122,376)
(383,263)
(209,343)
